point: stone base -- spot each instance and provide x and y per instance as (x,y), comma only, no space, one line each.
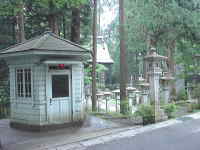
(38,128)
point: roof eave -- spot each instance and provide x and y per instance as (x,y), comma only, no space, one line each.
(59,52)
(41,52)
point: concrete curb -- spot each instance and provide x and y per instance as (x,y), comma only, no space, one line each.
(91,136)
(126,132)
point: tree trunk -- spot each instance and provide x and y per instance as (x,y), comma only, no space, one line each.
(53,23)
(123,63)
(64,27)
(75,25)
(94,55)
(20,34)
(171,65)
(170,52)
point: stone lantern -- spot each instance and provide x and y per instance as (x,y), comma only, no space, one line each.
(100,97)
(190,88)
(131,95)
(107,96)
(144,87)
(154,71)
(165,80)
(116,95)
(137,97)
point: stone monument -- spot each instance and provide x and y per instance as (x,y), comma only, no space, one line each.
(154,71)
(165,80)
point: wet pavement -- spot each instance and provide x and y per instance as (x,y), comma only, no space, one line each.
(10,137)
(178,136)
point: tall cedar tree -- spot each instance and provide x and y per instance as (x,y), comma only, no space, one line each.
(94,57)
(75,25)
(20,33)
(123,63)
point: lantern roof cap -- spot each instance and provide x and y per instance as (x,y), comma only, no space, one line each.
(130,88)
(153,55)
(144,84)
(116,91)
(107,93)
(137,91)
(167,76)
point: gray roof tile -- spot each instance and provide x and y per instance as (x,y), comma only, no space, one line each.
(47,41)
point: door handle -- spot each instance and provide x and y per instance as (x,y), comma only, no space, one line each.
(50,101)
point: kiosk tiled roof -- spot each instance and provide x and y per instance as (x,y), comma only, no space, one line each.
(45,42)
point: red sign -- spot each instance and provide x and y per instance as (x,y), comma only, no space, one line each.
(61,66)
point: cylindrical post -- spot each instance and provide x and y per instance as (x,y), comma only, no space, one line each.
(106,104)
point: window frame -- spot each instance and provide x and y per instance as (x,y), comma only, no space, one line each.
(60,72)
(67,85)
(24,82)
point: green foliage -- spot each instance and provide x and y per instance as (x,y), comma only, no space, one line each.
(88,78)
(160,21)
(146,112)
(182,95)
(88,71)
(162,102)
(57,6)
(100,68)
(170,109)
(36,14)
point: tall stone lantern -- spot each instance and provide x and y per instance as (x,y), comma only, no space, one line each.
(154,71)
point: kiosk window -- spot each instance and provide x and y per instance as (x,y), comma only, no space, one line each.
(60,86)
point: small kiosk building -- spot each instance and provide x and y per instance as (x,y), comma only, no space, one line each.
(46,82)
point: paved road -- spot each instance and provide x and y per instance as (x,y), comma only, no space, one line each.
(179,136)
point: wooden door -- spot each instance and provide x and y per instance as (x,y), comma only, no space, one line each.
(60,109)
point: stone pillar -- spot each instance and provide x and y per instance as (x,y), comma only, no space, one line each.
(131,95)
(145,98)
(154,78)
(137,97)
(189,91)
(166,94)
(154,74)
(165,79)
(144,87)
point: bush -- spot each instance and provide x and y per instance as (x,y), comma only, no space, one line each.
(147,113)
(182,95)
(170,109)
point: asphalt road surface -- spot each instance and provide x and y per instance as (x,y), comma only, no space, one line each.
(181,136)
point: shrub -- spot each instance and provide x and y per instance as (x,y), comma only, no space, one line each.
(170,109)
(182,95)
(147,113)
